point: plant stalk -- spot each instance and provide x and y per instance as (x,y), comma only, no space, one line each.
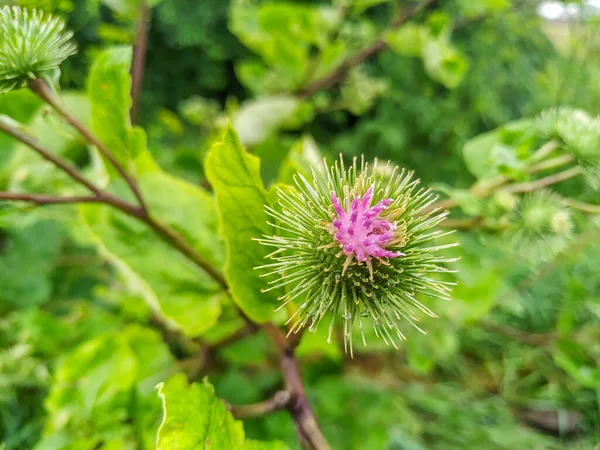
(40,88)
(307,428)
(139,59)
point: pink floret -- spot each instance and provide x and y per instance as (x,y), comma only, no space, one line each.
(360,232)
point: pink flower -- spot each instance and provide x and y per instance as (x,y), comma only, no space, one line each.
(360,232)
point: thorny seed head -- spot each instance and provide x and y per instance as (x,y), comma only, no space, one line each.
(540,227)
(357,243)
(32,45)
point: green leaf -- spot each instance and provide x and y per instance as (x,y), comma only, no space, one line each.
(169,282)
(128,8)
(468,202)
(109,91)
(95,383)
(579,362)
(241,198)
(302,157)
(360,6)
(360,91)
(195,418)
(259,445)
(408,39)
(471,9)
(109,87)
(27,255)
(285,36)
(257,119)
(502,150)
(444,63)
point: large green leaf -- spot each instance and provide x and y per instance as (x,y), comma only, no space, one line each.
(195,418)
(167,280)
(241,198)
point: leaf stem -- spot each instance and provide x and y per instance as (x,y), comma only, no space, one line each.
(40,88)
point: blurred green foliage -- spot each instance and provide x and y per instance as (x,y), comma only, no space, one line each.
(511,363)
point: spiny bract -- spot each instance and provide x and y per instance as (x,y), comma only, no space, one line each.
(33,45)
(357,242)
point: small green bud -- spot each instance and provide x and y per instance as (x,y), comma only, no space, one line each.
(32,45)
(540,227)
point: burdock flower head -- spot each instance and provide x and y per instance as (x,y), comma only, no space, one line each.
(357,242)
(32,45)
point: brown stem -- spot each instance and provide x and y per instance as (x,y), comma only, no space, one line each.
(339,73)
(34,144)
(307,428)
(139,58)
(40,88)
(41,199)
(279,401)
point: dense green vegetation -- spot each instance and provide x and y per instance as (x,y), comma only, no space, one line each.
(111,317)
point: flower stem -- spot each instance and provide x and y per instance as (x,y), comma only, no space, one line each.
(307,428)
